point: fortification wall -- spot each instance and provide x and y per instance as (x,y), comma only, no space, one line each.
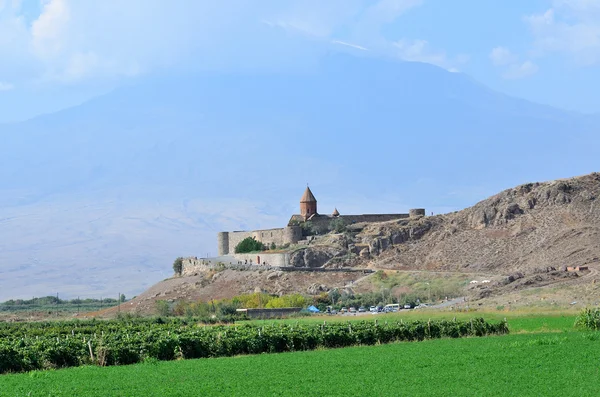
(415,212)
(373,217)
(223,243)
(193,265)
(234,239)
(227,241)
(325,220)
(274,259)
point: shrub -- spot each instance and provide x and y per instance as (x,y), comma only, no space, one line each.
(249,244)
(178,266)
(57,345)
(588,318)
(162,308)
(338,225)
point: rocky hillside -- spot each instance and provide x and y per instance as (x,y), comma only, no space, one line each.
(533,226)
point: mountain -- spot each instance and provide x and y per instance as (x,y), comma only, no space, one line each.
(100,198)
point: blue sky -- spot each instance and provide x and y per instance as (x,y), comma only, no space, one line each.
(57,53)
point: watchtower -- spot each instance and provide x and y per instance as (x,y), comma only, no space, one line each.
(308,204)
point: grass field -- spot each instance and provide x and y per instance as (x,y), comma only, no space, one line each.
(544,355)
(518,321)
(537,364)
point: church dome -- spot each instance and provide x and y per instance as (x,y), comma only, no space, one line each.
(308,196)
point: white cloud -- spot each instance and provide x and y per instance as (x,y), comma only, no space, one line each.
(520,70)
(4,86)
(570,27)
(50,31)
(363,23)
(503,57)
(421,51)
(381,13)
(358,47)
(70,41)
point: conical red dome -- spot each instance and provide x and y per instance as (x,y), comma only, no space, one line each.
(308,196)
(308,204)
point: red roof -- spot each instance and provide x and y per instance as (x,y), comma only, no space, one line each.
(308,197)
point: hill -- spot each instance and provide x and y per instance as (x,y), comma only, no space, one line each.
(100,198)
(522,240)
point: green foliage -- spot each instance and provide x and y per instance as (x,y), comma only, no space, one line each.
(588,319)
(295,300)
(162,308)
(249,244)
(405,287)
(54,304)
(273,246)
(338,225)
(311,229)
(478,367)
(25,347)
(178,266)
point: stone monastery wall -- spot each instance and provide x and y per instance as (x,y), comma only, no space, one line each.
(227,241)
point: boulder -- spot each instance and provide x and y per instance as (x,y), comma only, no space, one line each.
(274,275)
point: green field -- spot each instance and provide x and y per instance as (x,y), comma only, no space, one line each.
(545,364)
(544,355)
(518,322)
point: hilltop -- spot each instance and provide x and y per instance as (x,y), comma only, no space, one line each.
(519,241)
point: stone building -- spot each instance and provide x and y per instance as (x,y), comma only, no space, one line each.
(293,232)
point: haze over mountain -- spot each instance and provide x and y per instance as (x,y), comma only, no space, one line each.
(100,198)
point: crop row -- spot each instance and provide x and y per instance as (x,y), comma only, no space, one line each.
(127,346)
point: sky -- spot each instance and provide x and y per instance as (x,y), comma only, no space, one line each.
(59,53)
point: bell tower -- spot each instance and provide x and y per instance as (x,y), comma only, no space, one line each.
(308,204)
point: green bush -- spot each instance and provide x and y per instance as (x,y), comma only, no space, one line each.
(26,347)
(589,319)
(249,244)
(162,308)
(338,225)
(178,266)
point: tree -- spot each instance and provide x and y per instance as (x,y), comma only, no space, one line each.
(178,266)
(122,298)
(162,307)
(249,244)
(338,225)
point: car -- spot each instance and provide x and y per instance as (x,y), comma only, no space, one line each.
(373,309)
(362,309)
(352,310)
(407,306)
(343,310)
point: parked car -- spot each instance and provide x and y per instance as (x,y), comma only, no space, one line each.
(362,309)
(373,309)
(343,310)
(407,307)
(352,310)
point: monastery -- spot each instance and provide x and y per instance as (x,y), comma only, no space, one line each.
(293,232)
